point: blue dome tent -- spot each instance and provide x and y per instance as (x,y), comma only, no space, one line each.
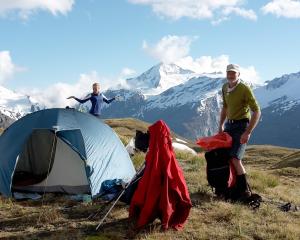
(61,150)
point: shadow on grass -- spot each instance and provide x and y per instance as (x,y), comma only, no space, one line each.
(201,197)
(66,233)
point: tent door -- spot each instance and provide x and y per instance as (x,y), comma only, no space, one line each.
(45,153)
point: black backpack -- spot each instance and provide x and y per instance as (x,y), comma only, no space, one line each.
(218,173)
(218,170)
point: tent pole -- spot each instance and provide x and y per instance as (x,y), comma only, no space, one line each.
(133,180)
(51,156)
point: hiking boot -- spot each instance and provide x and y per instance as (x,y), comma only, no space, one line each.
(242,187)
(244,196)
(220,193)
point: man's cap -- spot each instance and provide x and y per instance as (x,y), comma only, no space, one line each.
(233,68)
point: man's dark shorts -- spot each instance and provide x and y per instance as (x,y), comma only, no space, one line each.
(235,130)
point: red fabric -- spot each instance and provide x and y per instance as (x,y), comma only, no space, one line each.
(232,175)
(162,191)
(221,140)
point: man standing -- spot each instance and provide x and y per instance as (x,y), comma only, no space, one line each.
(238,101)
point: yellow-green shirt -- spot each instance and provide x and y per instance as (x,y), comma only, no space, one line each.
(239,101)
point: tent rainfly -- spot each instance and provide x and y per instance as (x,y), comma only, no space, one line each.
(61,150)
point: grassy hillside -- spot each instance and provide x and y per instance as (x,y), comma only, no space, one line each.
(126,127)
(273,172)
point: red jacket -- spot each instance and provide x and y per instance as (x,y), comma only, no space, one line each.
(162,191)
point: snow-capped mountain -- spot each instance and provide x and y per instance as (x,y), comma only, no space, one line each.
(282,92)
(160,78)
(190,103)
(280,121)
(14,105)
(192,108)
(196,89)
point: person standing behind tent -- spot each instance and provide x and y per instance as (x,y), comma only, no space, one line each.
(97,99)
(238,100)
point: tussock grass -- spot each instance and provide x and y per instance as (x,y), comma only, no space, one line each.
(138,159)
(288,172)
(126,127)
(265,156)
(260,180)
(190,162)
(125,140)
(209,218)
(292,160)
(183,155)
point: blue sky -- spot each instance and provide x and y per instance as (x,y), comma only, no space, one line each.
(46,44)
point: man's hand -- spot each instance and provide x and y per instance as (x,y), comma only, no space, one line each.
(253,122)
(119,98)
(70,97)
(222,119)
(245,137)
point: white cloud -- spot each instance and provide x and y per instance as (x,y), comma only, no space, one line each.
(175,49)
(197,9)
(7,67)
(249,74)
(126,72)
(169,48)
(204,64)
(219,21)
(208,64)
(56,95)
(26,7)
(283,8)
(245,13)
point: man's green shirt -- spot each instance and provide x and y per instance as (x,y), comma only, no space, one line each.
(239,102)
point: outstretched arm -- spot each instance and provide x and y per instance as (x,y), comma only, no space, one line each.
(108,101)
(80,100)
